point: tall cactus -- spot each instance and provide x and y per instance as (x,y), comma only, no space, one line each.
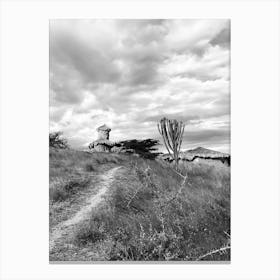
(172,133)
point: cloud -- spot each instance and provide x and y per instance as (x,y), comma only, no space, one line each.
(90,63)
(130,73)
(222,38)
(208,135)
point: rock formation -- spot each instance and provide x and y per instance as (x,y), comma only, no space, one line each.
(141,148)
(103,132)
(102,144)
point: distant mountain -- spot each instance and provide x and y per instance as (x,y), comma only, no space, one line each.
(203,152)
(200,152)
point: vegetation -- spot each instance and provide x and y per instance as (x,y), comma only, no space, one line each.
(73,175)
(144,148)
(56,140)
(62,190)
(153,214)
(150,212)
(172,133)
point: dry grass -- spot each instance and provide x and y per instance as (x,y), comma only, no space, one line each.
(71,173)
(62,190)
(151,213)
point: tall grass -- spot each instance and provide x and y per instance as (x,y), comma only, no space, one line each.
(62,190)
(152,213)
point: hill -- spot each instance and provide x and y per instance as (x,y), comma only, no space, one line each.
(107,206)
(205,152)
(200,153)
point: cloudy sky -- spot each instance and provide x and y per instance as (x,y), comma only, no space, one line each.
(129,74)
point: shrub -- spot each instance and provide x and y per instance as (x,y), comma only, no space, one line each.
(56,140)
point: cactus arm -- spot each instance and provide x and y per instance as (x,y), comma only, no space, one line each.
(161,131)
(172,133)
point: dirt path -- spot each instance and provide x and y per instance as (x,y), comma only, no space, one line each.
(63,229)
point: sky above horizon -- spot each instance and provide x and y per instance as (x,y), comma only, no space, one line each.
(128,74)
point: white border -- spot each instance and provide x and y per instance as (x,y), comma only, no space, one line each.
(254,146)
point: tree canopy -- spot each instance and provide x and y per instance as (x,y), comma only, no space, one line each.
(144,148)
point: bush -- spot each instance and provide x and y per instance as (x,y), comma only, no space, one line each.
(56,140)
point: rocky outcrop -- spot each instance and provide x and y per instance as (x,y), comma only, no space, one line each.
(103,132)
(118,148)
(102,144)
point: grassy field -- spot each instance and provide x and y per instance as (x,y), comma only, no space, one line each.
(150,212)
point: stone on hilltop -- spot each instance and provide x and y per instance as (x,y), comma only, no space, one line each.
(102,144)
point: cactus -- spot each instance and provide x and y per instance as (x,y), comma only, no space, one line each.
(172,133)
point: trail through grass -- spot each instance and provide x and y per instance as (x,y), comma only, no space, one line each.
(65,228)
(143,211)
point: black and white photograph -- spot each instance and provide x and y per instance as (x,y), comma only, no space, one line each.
(139,140)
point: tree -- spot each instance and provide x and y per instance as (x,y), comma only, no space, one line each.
(172,133)
(56,140)
(144,148)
